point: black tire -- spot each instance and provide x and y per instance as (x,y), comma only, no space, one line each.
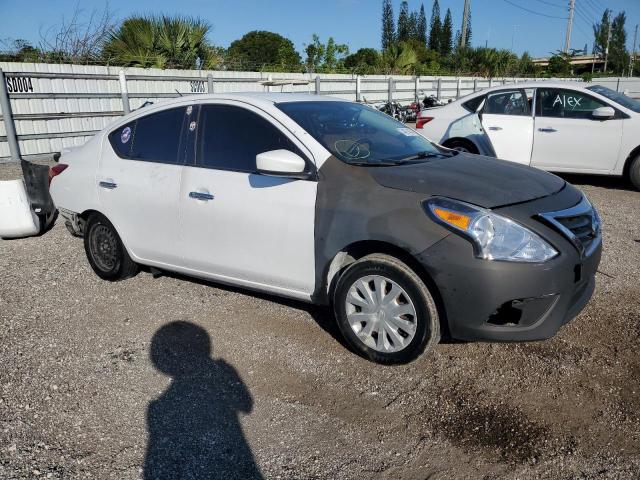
(634,172)
(426,321)
(105,251)
(462,146)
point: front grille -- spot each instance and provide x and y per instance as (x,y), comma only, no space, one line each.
(580,224)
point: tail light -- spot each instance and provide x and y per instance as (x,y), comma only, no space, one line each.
(422,121)
(56,170)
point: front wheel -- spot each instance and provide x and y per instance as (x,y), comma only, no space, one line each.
(105,251)
(385,311)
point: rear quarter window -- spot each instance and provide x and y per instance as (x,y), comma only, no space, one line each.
(473,104)
(120,139)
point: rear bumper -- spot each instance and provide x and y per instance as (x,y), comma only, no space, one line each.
(73,222)
(506,301)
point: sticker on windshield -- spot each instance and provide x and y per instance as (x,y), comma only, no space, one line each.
(408,132)
(189,110)
(125,135)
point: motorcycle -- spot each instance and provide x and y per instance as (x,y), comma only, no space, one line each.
(395,110)
(432,101)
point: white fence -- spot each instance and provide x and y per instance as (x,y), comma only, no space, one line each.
(54,106)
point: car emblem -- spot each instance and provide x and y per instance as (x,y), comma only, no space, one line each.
(125,135)
(192,126)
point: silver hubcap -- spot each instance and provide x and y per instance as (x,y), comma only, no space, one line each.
(381,314)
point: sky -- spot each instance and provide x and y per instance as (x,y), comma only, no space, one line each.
(498,23)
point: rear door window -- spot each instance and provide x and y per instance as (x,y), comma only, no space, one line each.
(231,137)
(555,102)
(510,102)
(157,136)
(152,138)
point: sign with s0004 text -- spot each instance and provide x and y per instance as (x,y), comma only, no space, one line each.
(19,84)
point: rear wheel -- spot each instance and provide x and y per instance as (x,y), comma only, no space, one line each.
(634,172)
(385,311)
(105,251)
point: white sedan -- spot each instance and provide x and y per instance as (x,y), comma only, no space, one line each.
(560,127)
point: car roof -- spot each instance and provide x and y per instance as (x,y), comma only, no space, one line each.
(257,98)
(568,84)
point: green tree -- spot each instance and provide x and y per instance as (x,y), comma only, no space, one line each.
(388,25)
(422,26)
(435,30)
(334,54)
(325,57)
(162,42)
(363,62)
(413,26)
(559,65)
(446,34)
(259,49)
(618,54)
(399,59)
(600,33)
(20,51)
(315,54)
(526,66)
(404,23)
(428,61)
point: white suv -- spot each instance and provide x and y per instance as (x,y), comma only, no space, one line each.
(335,203)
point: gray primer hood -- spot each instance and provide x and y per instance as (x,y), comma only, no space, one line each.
(482,181)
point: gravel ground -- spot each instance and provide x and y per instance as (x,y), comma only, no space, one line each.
(116,380)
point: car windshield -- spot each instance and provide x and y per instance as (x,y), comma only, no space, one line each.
(617,97)
(360,135)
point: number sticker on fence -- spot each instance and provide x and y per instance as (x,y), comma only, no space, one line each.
(19,84)
(197,86)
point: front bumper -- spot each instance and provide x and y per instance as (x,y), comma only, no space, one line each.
(509,301)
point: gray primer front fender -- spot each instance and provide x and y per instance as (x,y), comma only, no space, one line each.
(352,207)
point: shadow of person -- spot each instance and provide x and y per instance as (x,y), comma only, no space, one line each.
(194,430)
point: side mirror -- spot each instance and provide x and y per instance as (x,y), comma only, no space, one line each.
(603,113)
(281,163)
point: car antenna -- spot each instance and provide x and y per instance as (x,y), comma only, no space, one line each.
(177,91)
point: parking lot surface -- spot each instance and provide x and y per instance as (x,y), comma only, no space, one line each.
(174,378)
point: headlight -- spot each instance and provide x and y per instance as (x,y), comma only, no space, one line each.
(494,237)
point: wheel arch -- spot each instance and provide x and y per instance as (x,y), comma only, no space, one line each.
(84,216)
(356,250)
(629,160)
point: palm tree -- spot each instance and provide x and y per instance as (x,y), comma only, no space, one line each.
(160,42)
(399,58)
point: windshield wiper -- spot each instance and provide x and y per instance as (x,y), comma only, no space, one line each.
(424,155)
(373,163)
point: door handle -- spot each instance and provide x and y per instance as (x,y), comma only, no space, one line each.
(201,196)
(108,185)
(547,130)
(495,128)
